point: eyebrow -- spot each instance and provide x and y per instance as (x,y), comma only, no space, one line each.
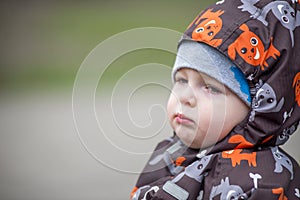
(182,71)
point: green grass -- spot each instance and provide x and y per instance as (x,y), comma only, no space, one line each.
(45,44)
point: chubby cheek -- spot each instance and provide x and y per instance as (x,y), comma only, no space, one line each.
(171,106)
(212,119)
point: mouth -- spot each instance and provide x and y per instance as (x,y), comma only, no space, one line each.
(257,55)
(182,119)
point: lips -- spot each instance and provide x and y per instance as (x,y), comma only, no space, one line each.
(182,119)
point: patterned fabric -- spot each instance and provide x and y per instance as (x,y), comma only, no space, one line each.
(262,38)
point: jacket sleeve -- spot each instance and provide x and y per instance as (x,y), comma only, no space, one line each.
(184,186)
(180,187)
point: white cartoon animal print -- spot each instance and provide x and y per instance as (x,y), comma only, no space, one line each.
(265,101)
(282,10)
(227,191)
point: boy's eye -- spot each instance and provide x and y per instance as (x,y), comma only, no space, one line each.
(211,89)
(181,80)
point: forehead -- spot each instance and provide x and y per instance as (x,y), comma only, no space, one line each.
(194,73)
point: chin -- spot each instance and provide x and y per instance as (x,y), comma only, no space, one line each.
(198,144)
(188,143)
(187,139)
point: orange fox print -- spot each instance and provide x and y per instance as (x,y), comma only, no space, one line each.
(296,85)
(251,49)
(208,25)
(236,155)
(241,141)
(280,191)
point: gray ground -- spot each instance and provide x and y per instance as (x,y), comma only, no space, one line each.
(44,157)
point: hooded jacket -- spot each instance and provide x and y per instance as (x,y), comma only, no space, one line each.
(262,38)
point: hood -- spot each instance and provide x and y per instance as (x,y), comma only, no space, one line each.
(263,39)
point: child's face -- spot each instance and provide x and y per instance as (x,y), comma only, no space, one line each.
(201,110)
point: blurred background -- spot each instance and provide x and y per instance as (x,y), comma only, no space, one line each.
(43,44)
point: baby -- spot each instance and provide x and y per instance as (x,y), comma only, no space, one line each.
(206,101)
(235,100)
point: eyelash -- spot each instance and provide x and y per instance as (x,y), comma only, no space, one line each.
(210,88)
(181,80)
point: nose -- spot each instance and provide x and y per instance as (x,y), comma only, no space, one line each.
(188,97)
